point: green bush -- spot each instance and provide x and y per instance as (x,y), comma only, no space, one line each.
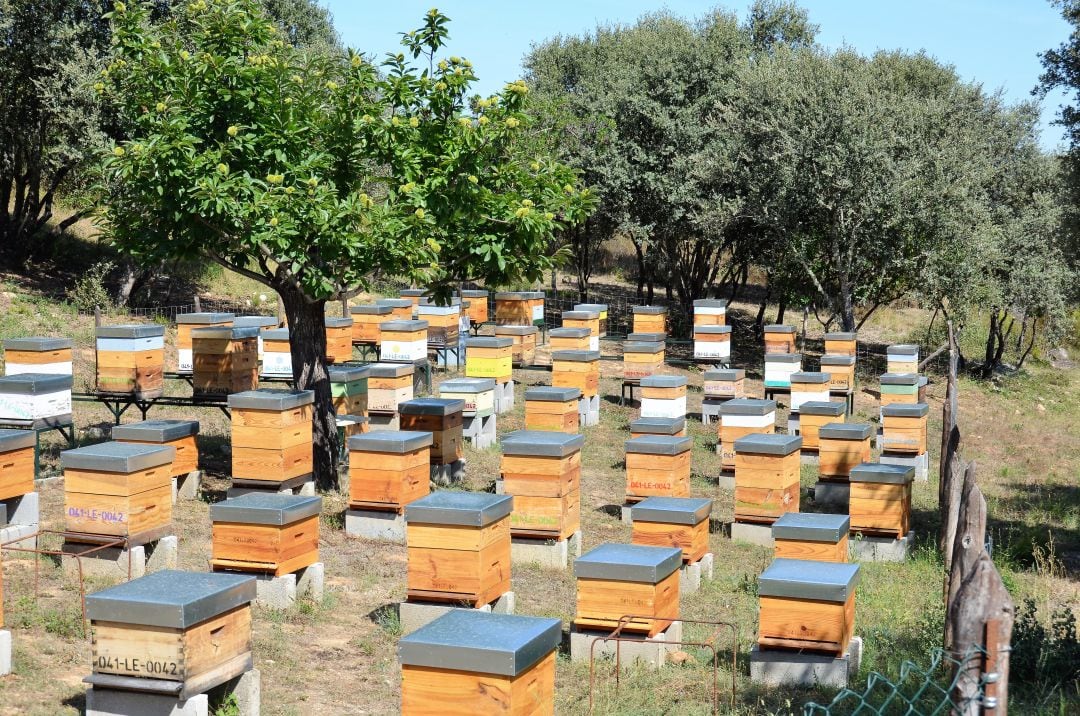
(1045,654)
(90,290)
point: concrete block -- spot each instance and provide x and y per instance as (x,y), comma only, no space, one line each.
(307,489)
(112,562)
(707,563)
(163,554)
(5,652)
(11,533)
(775,667)
(589,411)
(793,424)
(247,688)
(624,513)
(480,430)
(809,458)
(275,592)
(448,475)
(689,578)
(553,554)
(726,481)
(636,648)
(752,533)
(832,494)
(921,463)
(372,524)
(504,397)
(880,549)
(23,510)
(413,615)
(384,421)
(710,410)
(311,581)
(114,702)
(186,487)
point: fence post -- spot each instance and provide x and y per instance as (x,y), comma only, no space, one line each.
(97,316)
(198,304)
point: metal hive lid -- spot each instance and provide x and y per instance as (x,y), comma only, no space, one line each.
(549,394)
(431,406)
(515,330)
(541,443)
(810,377)
(471,509)
(474,293)
(276,334)
(427,302)
(899,378)
(371,310)
(576,356)
(711,303)
(412,292)
(337,322)
(37,343)
(828,359)
(256,321)
(905,410)
(171,598)
(806,579)
(427,308)
(130,330)
(878,472)
(204,317)
(841,336)
(394,302)
(156,431)
(258,508)
(124,458)
(748,406)
(672,510)
(768,444)
(725,374)
(348,372)
(227,332)
(658,445)
(663,381)
(271,399)
(650,310)
(16,440)
(628,563)
(903,349)
(582,315)
(512,295)
(811,527)
(392,441)
(713,330)
(777,328)
(783,357)
(390,370)
(643,346)
(598,307)
(822,407)
(658,426)
(646,337)
(570,332)
(34,383)
(489,342)
(403,326)
(846,431)
(467,385)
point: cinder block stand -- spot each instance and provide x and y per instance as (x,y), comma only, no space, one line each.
(553,554)
(753,533)
(413,615)
(5,652)
(282,592)
(20,517)
(375,524)
(921,463)
(112,562)
(832,494)
(589,410)
(636,649)
(449,474)
(880,549)
(776,667)
(186,487)
(691,575)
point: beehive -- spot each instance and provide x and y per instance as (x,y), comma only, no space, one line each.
(523,340)
(663,396)
(841,344)
(642,359)
(536,307)
(779,367)
(193,628)
(740,417)
(458,546)
(814,536)
(650,319)
(710,312)
(469,662)
(779,339)
(366,322)
(576,369)
(899,388)
(131,360)
(349,388)
(571,339)
(16,463)
(542,471)
(271,435)
(766,477)
(263,323)
(478,395)
(403,341)
(415,296)
(813,416)
(489,358)
(658,426)
(880,499)
(388,469)
(265,532)
(548,408)
(478,305)
(35,399)
(118,490)
(443,322)
(442,417)
(185,324)
(903,428)
(841,370)
(587,319)
(903,358)
(177,434)
(389,385)
(226,360)
(513,308)
(807,605)
(646,337)
(657,465)
(37,355)
(842,446)
(600,308)
(277,353)
(808,387)
(724,383)
(338,339)
(712,343)
(614,580)
(681,522)
(401,309)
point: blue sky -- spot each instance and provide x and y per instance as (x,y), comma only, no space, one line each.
(994,42)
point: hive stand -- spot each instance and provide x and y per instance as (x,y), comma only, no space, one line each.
(841,446)
(177,434)
(548,408)
(740,417)
(37,355)
(656,466)
(581,370)
(881,512)
(813,416)
(720,385)
(442,417)
(19,503)
(389,385)
(663,396)
(271,441)
(675,427)
(767,470)
(387,470)
(806,387)
(523,343)
(811,536)
(478,417)
(681,522)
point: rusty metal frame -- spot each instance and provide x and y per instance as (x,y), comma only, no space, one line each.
(710,644)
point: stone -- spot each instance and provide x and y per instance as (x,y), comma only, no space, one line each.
(186,487)
(752,533)
(413,615)
(776,667)
(589,411)
(448,475)
(247,688)
(5,652)
(633,648)
(373,524)
(726,481)
(275,592)
(921,463)
(19,536)
(880,549)
(112,562)
(24,510)
(311,582)
(793,424)
(553,554)
(114,702)
(832,494)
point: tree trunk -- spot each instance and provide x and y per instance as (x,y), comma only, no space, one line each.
(993,338)
(640,272)
(781,309)
(307,342)
(1031,344)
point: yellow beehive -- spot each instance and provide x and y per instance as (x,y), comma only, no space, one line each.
(489,357)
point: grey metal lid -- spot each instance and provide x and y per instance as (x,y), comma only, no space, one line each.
(663,381)
(427,303)
(650,310)
(337,322)
(481,642)
(777,328)
(171,598)
(811,377)
(227,332)
(829,359)
(489,342)
(515,330)
(581,315)
(643,346)
(549,394)
(512,295)
(646,337)
(394,302)
(16,440)
(672,510)
(276,334)
(271,399)
(822,407)
(392,441)
(131,330)
(124,458)
(467,385)
(878,472)
(811,527)
(412,291)
(768,444)
(390,370)
(658,426)
(471,509)
(809,579)
(628,563)
(266,508)
(841,336)
(431,406)
(534,294)
(348,372)
(711,303)
(403,326)
(541,443)
(37,343)
(903,349)
(34,383)
(474,293)
(748,406)
(371,310)
(576,356)
(156,431)
(713,330)
(899,379)
(658,445)
(905,410)
(570,332)
(257,321)
(598,307)
(204,317)
(846,431)
(725,374)
(783,357)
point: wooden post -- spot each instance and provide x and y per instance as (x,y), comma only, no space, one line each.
(951,465)
(97,316)
(198,304)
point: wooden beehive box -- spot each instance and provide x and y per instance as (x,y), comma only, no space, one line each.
(226,360)
(602,310)
(779,367)
(338,339)
(16,463)
(263,323)
(808,387)
(389,385)
(681,522)
(902,358)
(550,408)
(176,633)
(131,360)
(443,418)
(265,532)
(37,355)
(712,342)
(815,415)
(489,357)
(401,309)
(899,388)
(809,535)
(388,469)
(841,344)
(542,471)
(570,339)
(841,370)
(842,446)
(403,341)
(766,477)
(469,662)
(458,546)
(650,319)
(658,426)
(724,383)
(177,434)
(415,295)
(657,465)
(513,308)
(880,499)
(444,322)
(366,322)
(807,605)
(663,396)
(271,435)
(576,369)
(616,580)
(349,388)
(903,428)
(740,417)
(710,312)
(523,341)
(35,400)
(779,339)
(584,319)
(185,324)
(642,359)
(478,305)
(118,490)
(277,353)
(478,395)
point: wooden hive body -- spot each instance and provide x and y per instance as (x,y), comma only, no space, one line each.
(37,355)
(401,309)
(766,477)
(441,417)
(569,339)
(443,323)
(489,358)
(589,320)
(478,395)
(389,385)
(842,446)
(388,469)
(270,533)
(177,434)
(188,322)
(673,522)
(663,396)
(576,369)
(477,309)
(726,383)
(366,322)
(880,500)
(841,370)
(807,606)
(542,471)
(811,536)
(339,340)
(513,309)
(815,415)
(16,463)
(650,319)
(602,316)
(550,408)
(903,428)
(657,465)
(349,389)
(710,312)
(642,359)
(741,417)
(779,339)
(225,360)
(616,580)
(712,342)
(276,353)
(403,341)
(523,342)
(131,360)
(841,344)
(271,435)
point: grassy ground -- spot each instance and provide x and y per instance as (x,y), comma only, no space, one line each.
(338,656)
